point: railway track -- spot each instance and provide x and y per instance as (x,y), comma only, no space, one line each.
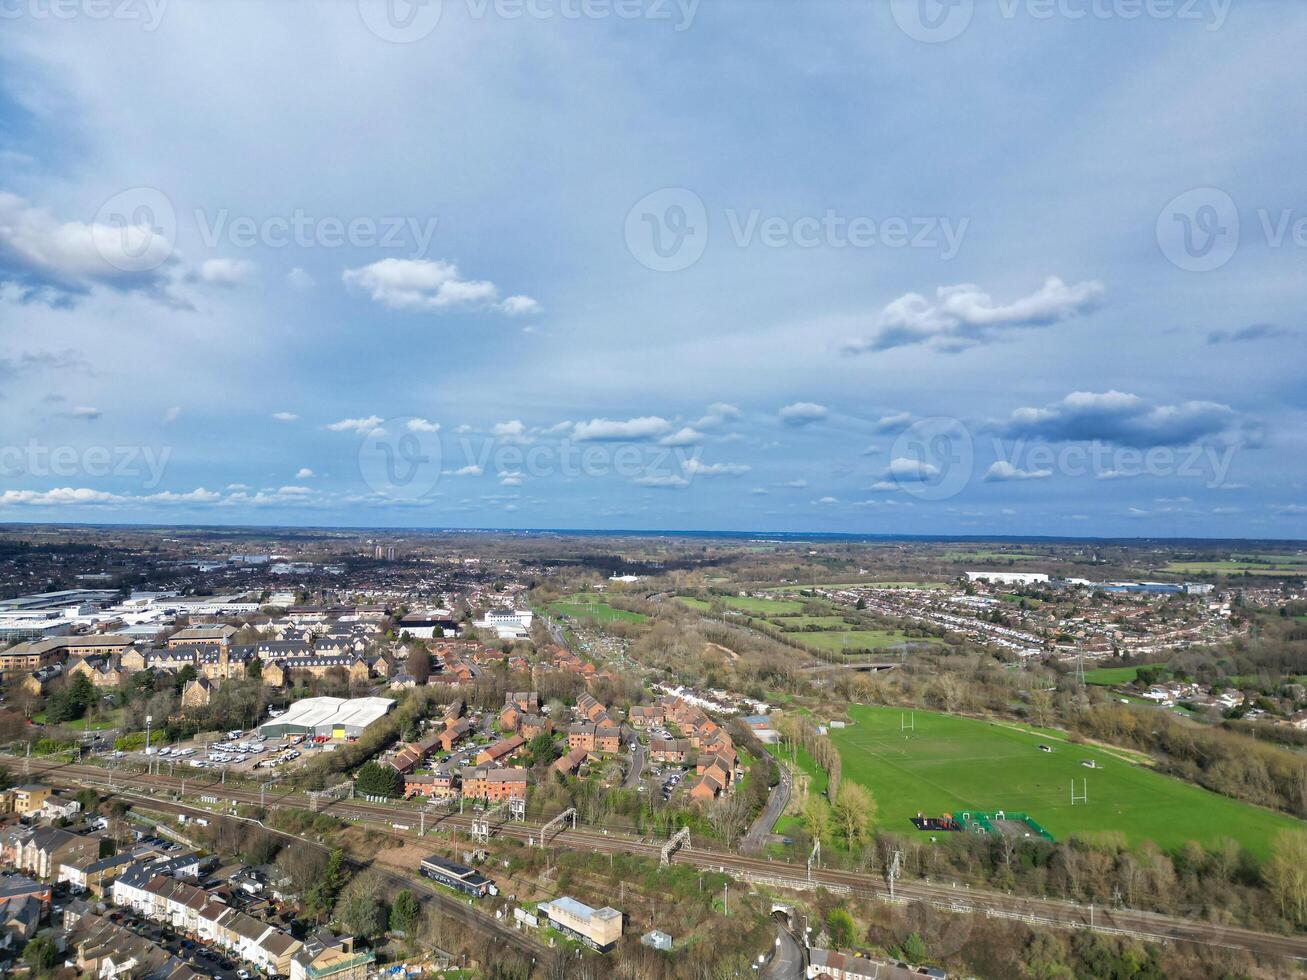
(1144,925)
(450,906)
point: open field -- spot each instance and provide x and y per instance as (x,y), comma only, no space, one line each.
(802,622)
(951,764)
(1279,566)
(1108,676)
(858,585)
(853,639)
(993,556)
(583,605)
(755,607)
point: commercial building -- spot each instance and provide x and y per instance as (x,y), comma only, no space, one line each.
(600,929)
(1008,578)
(507,624)
(329,717)
(467,880)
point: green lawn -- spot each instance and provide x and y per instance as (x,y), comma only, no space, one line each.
(801,622)
(585,605)
(951,764)
(992,556)
(1109,676)
(1286,566)
(748,604)
(857,585)
(853,639)
(816,784)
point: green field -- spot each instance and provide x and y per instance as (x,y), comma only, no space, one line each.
(857,585)
(746,604)
(951,764)
(802,622)
(1254,565)
(993,556)
(584,605)
(854,639)
(1109,676)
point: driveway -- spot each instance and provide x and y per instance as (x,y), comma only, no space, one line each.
(636,769)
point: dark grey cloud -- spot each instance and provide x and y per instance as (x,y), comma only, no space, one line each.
(1256,331)
(1125,419)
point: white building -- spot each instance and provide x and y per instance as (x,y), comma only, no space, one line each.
(508,624)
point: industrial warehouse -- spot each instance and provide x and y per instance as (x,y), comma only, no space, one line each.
(327,717)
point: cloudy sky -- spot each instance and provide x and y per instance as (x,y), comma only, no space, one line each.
(1016,268)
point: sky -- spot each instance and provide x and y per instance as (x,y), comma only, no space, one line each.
(1002,267)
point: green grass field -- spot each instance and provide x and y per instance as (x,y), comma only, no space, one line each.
(801,622)
(584,605)
(951,764)
(992,556)
(853,639)
(856,585)
(1282,566)
(1108,676)
(747,604)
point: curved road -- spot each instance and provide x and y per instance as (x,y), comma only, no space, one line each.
(753,841)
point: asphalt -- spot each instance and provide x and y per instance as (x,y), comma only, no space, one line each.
(753,841)
(786,960)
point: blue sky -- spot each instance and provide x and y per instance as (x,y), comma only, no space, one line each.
(1015,267)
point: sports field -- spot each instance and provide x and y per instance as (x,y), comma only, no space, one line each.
(748,604)
(584,605)
(951,764)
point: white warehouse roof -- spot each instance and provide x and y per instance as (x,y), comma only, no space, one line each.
(320,715)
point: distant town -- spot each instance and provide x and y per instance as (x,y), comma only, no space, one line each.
(335,756)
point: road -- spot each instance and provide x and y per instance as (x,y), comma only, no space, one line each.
(636,770)
(777,801)
(786,960)
(962,900)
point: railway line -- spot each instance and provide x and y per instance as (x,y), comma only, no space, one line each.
(1144,925)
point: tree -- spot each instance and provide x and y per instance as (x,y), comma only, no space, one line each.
(321,896)
(1286,874)
(816,817)
(184,676)
(375,779)
(6,780)
(855,812)
(362,915)
(419,664)
(404,912)
(40,954)
(840,926)
(254,668)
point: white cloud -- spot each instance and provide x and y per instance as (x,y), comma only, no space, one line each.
(669,482)
(172,414)
(889,423)
(422,425)
(431,286)
(85,412)
(366,424)
(299,279)
(609,430)
(963,316)
(906,470)
(470,470)
(686,436)
(1002,471)
(58,262)
(798,484)
(695,467)
(827,501)
(285,416)
(513,430)
(519,306)
(718,412)
(226,272)
(304,473)
(510,479)
(803,413)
